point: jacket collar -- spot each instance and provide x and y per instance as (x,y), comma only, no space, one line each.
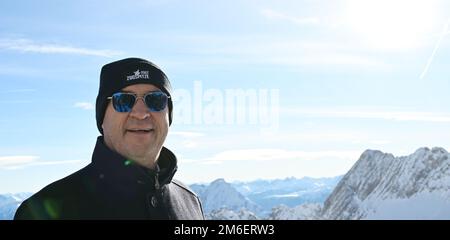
(114,167)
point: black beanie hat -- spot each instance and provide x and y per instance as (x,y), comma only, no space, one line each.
(120,74)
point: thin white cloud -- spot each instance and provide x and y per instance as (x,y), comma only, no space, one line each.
(187,139)
(190,144)
(84,105)
(383,115)
(20,90)
(287,57)
(319,137)
(380,142)
(265,154)
(271,14)
(26,45)
(330,59)
(11,161)
(16,101)
(22,161)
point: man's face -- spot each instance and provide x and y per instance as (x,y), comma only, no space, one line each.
(137,135)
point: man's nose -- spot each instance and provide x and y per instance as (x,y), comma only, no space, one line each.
(140,110)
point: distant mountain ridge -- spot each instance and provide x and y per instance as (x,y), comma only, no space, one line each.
(260,196)
(289,191)
(220,194)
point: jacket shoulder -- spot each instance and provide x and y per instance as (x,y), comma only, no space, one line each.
(185,202)
(49,201)
(183,186)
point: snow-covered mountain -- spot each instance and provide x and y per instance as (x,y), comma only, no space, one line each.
(227,214)
(9,204)
(220,194)
(307,211)
(378,186)
(381,186)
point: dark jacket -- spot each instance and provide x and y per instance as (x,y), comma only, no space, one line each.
(112,187)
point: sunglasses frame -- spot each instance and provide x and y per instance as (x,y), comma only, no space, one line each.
(137,97)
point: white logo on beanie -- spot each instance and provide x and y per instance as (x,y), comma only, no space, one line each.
(138,75)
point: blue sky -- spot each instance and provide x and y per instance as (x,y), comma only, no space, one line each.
(335,78)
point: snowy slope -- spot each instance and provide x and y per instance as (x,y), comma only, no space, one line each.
(310,211)
(227,214)
(381,186)
(9,204)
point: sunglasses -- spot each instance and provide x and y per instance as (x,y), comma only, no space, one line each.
(124,102)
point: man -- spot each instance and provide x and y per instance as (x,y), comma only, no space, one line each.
(130,176)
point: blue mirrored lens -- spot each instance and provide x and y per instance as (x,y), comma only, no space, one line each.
(156,101)
(123,102)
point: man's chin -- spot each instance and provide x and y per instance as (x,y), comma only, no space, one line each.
(142,149)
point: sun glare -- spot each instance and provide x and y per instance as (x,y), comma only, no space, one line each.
(392,24)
